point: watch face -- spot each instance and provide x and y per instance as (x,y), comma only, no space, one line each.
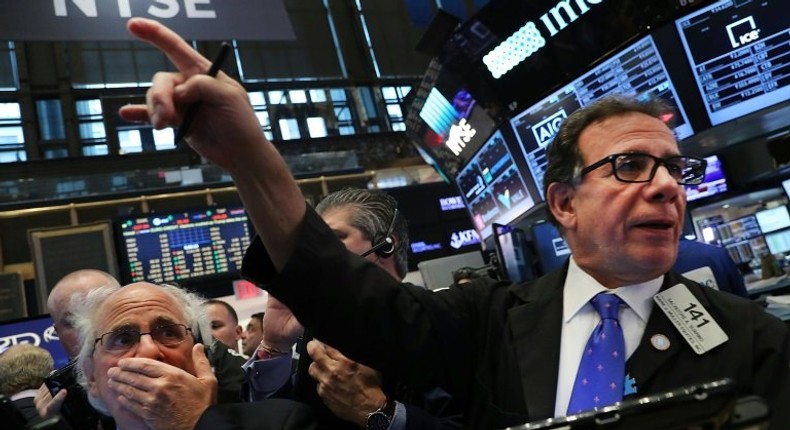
(378,421)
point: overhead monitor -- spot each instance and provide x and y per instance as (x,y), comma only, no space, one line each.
(179,246)
(58,251)
(493,187)
(786,187)
(551,248)
(446,123)
(714,183)
(739,53)
(638,70)
(511,249)
(773,219)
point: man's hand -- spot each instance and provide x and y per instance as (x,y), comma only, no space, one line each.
(349,389)
(46,405)
(280,326)
(164,396)
(226,123)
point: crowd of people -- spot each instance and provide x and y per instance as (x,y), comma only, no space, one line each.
(378,353)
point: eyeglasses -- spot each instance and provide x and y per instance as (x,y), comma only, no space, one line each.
(125,339)
(638,167)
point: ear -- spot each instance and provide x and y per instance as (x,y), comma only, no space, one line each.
(559,197)
(239,331)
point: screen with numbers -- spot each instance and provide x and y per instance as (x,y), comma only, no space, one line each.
(183,245)
(739,53)
(636,70)
(493,187)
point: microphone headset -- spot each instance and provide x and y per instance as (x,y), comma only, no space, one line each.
(384,247)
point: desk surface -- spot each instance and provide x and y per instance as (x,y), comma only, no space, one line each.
(766,286)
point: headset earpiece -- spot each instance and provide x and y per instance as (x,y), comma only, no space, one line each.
(384,246)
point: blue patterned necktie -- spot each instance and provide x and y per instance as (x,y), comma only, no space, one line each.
(599,381)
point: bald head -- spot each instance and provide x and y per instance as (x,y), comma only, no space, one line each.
(60,307)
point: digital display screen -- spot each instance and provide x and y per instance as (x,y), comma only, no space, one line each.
(778,242)
(551,248)
(37,331)
(739,53)
(714,183)
(492,186)
(773,219)
(173,247)
(638,70)
(446,122)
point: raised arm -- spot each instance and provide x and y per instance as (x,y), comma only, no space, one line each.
(226,132)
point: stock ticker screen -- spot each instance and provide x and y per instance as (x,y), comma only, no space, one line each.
(636,70)
(185,245)
(739,53)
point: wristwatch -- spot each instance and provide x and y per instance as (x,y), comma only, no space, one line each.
(381,418)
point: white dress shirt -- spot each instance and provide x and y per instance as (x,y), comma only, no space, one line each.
(580,318)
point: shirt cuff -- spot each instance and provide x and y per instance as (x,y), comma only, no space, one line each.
(399,417)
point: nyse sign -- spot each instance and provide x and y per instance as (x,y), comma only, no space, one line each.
(105,20)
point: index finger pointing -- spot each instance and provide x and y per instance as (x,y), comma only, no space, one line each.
(171,44)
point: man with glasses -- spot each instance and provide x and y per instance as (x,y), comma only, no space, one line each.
(140,363)
(509,353)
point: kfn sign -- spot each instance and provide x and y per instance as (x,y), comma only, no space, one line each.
(105,20)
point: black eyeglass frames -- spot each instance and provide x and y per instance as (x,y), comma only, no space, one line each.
(122,340)
(636,167)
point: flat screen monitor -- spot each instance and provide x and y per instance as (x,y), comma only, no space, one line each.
(551,248)
(638,70)
(493,187)
(179,246)
(773,219)
(715,181)
(738,230)
(786,187)
(58,251)
(35,330)
(446,122)
(778,242)
(739,53)
(511,249)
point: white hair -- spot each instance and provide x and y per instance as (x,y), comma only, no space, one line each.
(86,307)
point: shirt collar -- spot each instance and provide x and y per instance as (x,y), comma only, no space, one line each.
(580,287)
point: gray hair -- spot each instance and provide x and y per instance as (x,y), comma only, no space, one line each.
(373,214)
(564,157)
(86,309)
(24,367)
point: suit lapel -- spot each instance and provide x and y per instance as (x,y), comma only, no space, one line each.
(648,359)
(536,326)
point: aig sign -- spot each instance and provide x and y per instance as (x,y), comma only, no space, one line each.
(545,130)
(105,20)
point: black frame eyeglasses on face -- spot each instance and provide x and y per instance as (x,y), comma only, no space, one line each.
(638,167)
(122,340)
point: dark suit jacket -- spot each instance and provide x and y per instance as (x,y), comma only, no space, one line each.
(269,414)
(494,345)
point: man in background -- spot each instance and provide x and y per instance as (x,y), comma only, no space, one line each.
(59,305)
(23,368)
(140,363)
(370,225)
(251,337)
(224,323)
(224,353)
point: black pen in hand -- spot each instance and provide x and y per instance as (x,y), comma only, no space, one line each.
(192,109)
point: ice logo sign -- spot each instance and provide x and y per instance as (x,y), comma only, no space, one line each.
(743,31)
(545,130)
(460,134)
